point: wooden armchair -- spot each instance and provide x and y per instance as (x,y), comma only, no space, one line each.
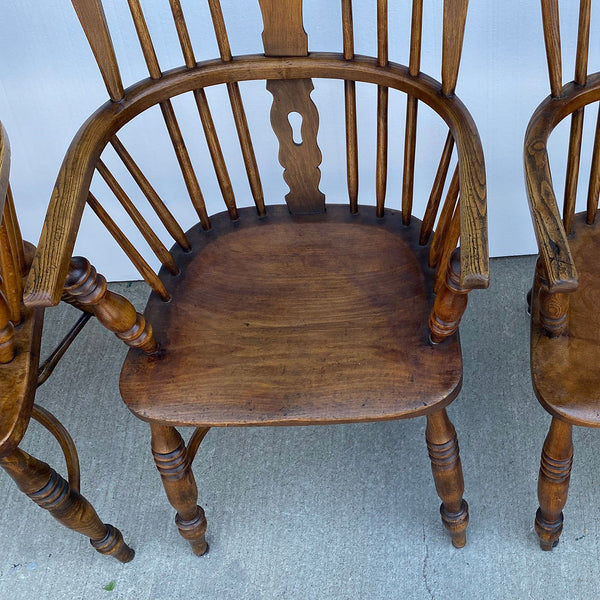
(21,374)
(288,314)
(565,325)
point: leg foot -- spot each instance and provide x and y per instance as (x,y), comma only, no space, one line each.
(553,483)
(172,462)
(442,445)
(50,491)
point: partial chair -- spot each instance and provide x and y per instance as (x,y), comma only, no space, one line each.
(287,314)
(565,325)
(21,374)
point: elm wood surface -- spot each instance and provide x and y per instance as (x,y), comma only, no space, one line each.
(44,286)
(563,369)
(18,381)
(286,319)
(564,299)
(19,378)
(295,320)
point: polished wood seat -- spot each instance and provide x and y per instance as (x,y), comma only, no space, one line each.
(294,320)
(564,379)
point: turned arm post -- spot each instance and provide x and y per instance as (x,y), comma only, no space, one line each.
(87,289)
(553,307)
(7,345)
(450,302)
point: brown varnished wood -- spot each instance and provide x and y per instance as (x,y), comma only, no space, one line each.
(92,19)
(594,181)
(283,33)
(50,491)
(450,303)
(144,269)
(147,232)
(553,50)
(437,244)
(564,378)
(89,289)
(18,381)
(442,445)
(327,330)
(303,315)
(174,465)
(300,160)
(382,149)
(60,228)
(572,176)
(20,340)
(455,16)
(564,323)
(350,109)
(437,189)
(553,482)
(583,42)
(64,439)
(164,214)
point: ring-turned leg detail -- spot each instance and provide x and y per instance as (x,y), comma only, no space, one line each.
(172,462)
(442,445)
(50,491)
(553,482)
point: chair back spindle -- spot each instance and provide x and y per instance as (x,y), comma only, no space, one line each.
(410,133)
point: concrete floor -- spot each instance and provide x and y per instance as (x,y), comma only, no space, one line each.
(340,512)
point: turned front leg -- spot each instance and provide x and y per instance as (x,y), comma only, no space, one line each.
(450,303)
(442,445)
(553,482)
(173,464)
(87,289)
(50,491)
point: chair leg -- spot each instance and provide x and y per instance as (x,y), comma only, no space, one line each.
(173,464)
(553,482)
(50,491)
(442,445)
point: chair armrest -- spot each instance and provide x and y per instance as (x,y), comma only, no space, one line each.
(44,285)
(474,252)
(550,234)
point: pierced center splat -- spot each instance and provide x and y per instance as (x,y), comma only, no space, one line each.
(294,116)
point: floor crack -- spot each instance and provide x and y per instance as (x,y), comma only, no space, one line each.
(425,563)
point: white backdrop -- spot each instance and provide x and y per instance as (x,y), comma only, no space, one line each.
(49,84)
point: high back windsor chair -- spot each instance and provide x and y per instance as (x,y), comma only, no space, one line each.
(283,314)
(564,326)
(20,337)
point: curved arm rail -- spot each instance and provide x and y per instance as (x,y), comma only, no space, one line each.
(50,265)
(549,230)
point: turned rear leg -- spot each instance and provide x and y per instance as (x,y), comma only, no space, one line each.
(442,445)
(174,466)
(553,482)
(50,491)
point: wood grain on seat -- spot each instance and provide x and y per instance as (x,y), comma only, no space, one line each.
(295,320)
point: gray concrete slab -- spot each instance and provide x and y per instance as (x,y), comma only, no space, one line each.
(338,512)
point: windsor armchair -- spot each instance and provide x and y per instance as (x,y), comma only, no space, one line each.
(564,323)
(283,314)
(20,337)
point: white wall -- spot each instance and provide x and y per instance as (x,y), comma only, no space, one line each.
(49,84)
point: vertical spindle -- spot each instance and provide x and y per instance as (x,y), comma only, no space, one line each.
(551,25)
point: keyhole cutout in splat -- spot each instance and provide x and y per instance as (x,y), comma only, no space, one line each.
(295,121)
